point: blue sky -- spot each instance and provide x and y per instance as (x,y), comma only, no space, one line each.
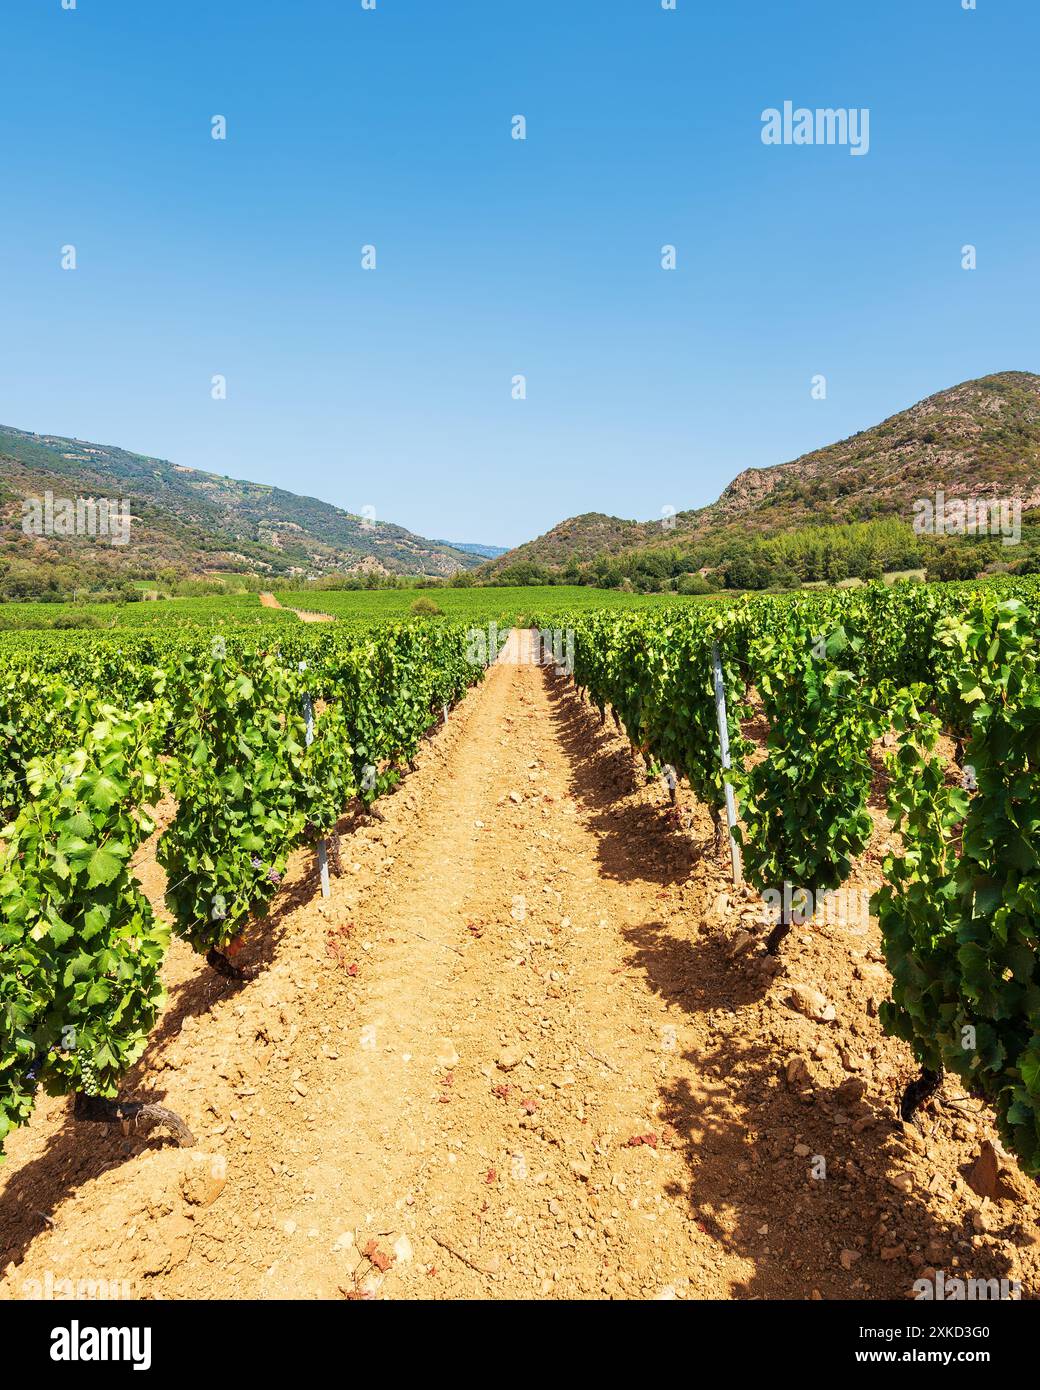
(645,388)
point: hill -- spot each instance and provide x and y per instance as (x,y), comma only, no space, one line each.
(487,552)
(193,522)
(980,439)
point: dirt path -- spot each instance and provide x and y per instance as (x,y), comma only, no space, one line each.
(514,1056)
(270,601)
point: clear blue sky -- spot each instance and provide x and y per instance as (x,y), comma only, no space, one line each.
(391,388)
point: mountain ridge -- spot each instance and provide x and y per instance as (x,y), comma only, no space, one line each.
(978,439)
(197,521)
(489,552)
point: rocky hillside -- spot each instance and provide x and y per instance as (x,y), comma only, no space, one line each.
(199,522)
(979,439)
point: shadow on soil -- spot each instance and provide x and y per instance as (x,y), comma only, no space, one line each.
(602,775)
(737,1123)
(736,1120)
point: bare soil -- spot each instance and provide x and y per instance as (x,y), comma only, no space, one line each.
(270,601)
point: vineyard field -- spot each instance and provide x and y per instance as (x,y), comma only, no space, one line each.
(359,606)
(538,994)
(164,615)
(500,604)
